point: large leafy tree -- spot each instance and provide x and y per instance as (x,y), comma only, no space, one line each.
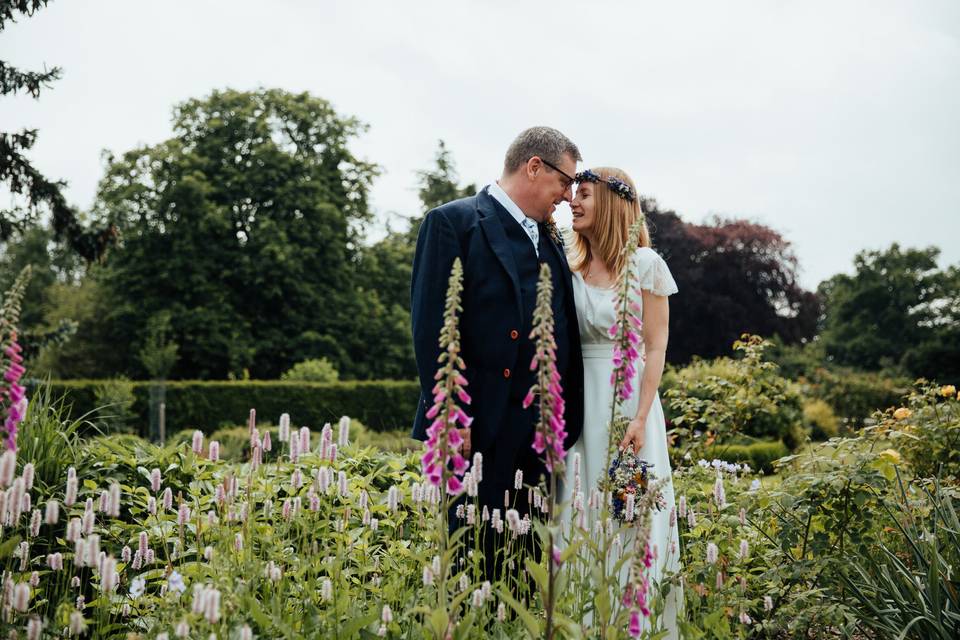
(54,266)
(242,227)
(35,193)
(734,277)
(897,310)
(384,272)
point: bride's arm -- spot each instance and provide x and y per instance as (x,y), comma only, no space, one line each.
(656,322)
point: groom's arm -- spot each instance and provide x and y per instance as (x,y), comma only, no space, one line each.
(437,248)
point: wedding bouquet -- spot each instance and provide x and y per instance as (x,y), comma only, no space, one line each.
(630,479)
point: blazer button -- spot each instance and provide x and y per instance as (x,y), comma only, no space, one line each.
(514,334)
(506,373)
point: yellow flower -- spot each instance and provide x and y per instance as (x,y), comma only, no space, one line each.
(902,413)
(891,455)
(948,391)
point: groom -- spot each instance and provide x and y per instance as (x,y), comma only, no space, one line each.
(501,239)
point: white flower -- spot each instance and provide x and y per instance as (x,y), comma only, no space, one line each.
(712,552)
(175,582)
(137,587)
(77,624)
(197,444)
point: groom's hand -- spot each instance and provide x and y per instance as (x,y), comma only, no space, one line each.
(465,448)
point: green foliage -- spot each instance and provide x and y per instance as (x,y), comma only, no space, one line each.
(727,397)
(243,226)
(837,544)
(90,352)
(797,360)
(159,353)
(827,508)
(209,405)
(897,309)
(234,441)
(853,395)
(50,438)
(907,587)
(717,593)
(439,185)
(316,370)
(820,420)
(383,279)
(114,400)
(926,431)
(49,264)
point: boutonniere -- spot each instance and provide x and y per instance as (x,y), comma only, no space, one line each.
(551,228)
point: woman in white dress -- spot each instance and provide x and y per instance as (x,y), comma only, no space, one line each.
(604,208)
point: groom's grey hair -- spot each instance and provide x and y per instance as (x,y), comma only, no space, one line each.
(545,142)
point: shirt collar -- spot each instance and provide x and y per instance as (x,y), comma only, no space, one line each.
(498,194)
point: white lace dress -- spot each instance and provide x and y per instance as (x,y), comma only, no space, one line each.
(596,314)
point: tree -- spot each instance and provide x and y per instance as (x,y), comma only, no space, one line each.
(897,310)
(734,277)
(21,177)
(159,353)
(384,270)
(439,185)
(52,265)
(243,227)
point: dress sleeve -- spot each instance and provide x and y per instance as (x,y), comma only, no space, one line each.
(653,274)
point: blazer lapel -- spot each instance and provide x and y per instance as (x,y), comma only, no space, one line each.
(497,239)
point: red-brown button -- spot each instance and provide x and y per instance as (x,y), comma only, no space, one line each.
(506,373)
(514,334)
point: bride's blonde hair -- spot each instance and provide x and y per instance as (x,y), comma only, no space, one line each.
(613,217)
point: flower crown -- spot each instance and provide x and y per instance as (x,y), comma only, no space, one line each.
(616,185)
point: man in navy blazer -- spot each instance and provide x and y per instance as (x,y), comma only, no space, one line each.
(501,238)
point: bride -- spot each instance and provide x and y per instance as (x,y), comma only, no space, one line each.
(604,209)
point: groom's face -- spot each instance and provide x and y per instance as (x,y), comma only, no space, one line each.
(553,185)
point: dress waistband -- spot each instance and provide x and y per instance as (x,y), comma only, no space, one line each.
(602,350)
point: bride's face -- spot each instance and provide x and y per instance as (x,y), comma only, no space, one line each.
(582,207)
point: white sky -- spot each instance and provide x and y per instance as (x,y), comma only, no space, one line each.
(836,123)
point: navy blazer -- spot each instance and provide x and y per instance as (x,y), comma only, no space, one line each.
(471,230)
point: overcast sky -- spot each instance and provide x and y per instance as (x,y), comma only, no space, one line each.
(836,123)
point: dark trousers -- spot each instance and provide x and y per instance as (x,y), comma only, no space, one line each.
(511,451)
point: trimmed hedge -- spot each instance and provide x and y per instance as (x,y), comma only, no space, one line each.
(381,405)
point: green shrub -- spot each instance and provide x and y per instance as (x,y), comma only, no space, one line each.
(381,405)
(729,397)
(926,431)
(392,441)
(235,441)
(316,370)
(855,395)
(820,419)
(114,405)
(759,455)
(914,570)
